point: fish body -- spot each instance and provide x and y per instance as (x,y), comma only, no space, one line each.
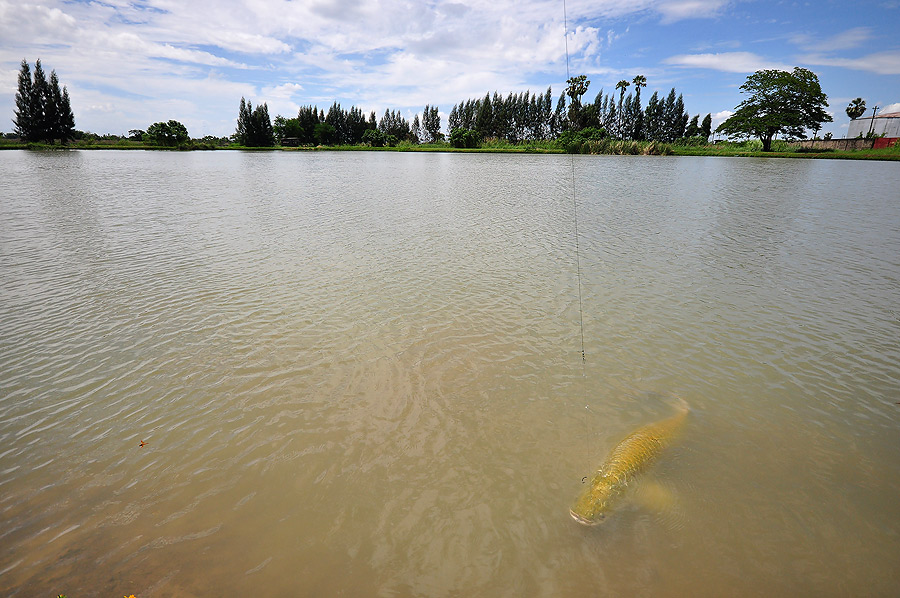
(629,458)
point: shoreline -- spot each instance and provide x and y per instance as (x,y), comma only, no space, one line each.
(888,154)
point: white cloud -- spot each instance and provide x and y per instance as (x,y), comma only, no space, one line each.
(131,43)
(731,62)
(846,40)
(678,10)
(34,23)
(719,117)
(890,108)
(285,90)
(881,63)
(248,43)
(9,81)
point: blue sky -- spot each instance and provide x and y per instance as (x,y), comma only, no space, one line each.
(129,63)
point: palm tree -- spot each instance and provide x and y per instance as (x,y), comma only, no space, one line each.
(638,124)
(621,86)
(856,108)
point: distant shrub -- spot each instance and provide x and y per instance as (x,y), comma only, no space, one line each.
(695,141)
(464,138)
(781,146)
(373,137)
(620,147)
(577,142)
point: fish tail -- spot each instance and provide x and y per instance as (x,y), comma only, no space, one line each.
(680,403)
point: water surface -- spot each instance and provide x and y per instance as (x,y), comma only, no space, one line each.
(361,373)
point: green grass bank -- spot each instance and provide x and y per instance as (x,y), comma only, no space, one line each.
(606,146)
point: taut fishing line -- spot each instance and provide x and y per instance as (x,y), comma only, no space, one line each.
(575,205)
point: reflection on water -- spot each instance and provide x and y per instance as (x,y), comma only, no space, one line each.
(361,373)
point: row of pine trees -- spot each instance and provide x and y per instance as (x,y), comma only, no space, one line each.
(43,111)
(515,118)
(530,117)
(338,126)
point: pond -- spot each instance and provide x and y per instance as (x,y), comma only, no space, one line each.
(362,374)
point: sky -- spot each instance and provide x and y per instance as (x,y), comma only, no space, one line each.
(130,63)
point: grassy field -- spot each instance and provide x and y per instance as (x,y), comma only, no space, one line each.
(781,149)
(750,148)
(872,154)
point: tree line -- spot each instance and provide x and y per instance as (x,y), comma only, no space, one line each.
(514,118)
(532,117)
(339,126)
(780,102)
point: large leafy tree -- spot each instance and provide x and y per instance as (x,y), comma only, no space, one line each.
(166,134)
(43,111)
(779,102)
(856,108)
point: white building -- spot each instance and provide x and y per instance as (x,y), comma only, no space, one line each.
(883,124)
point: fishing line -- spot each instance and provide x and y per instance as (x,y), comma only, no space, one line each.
(575,206)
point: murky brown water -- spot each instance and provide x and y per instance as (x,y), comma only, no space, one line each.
(360,374)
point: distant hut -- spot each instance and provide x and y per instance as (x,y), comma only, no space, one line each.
(887,125)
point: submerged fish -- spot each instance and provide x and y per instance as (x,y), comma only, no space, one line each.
(627,459)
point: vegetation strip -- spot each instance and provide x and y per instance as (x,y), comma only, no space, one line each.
(779,103)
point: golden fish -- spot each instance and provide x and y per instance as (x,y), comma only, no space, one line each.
(627,459)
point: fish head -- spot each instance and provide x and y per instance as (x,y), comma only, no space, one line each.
(593,504)
(597,520)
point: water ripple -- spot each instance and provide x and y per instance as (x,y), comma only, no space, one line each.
(361,373)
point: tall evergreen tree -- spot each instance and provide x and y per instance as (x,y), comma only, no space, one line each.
(653,118)
(67,117)
(626,118)
(254,127)
(431,124)
(681,118)
(43,112)
(416,129)
(693,128)
(52,107)
(547,112)
(558,124)
(40,90)
(394,127)
(706,126)
(243,123)
(337,118)
(484,120)
(669,118)
(453,119)
(23,120)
